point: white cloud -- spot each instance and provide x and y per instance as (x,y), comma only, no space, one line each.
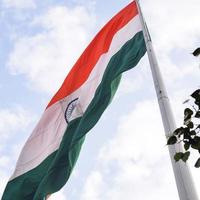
(57,196)
(174,28)
(4,178)
(14,120)
(128,86)
(135,164)
(93,185)
(133,80)
(174,23)
(140,120)
(5,161)
(46,57)
(20,4)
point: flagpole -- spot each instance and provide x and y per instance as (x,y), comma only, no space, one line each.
(184,181)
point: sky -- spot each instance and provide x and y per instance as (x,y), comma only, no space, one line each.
(125,155)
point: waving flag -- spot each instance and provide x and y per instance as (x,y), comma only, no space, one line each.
(49,155)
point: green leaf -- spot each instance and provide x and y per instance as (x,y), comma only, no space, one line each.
(197,139)
(196,94)
(195,142)
(179,131)
(185,156)
(187,116)
(196,52)
(197,164)
(198,127)
(187,136)
(194,146)
(186,146)
(172,140)
(186,101)
(188,111)
(197,115)
(197,102)
(187,120)
(190,125)
(178,156)
(192,132)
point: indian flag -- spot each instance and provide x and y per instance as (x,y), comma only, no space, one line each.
(49,155)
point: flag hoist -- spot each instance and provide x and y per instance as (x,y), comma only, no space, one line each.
(184,181)
(50,153)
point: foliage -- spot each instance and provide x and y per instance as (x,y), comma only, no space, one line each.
(189,133)
(196,52)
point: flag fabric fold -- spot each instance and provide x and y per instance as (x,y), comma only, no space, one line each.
(49,155)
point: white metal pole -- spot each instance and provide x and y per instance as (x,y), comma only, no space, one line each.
(184,182)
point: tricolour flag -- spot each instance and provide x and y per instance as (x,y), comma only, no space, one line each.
(49,155)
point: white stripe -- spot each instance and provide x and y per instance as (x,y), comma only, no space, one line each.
(46,137)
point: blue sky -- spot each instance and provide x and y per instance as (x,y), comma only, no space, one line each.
(40,41)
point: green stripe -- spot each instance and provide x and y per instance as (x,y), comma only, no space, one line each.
(55,170)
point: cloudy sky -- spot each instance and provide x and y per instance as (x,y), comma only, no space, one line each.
(124,156)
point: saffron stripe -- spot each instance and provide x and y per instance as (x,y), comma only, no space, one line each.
(100,45)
